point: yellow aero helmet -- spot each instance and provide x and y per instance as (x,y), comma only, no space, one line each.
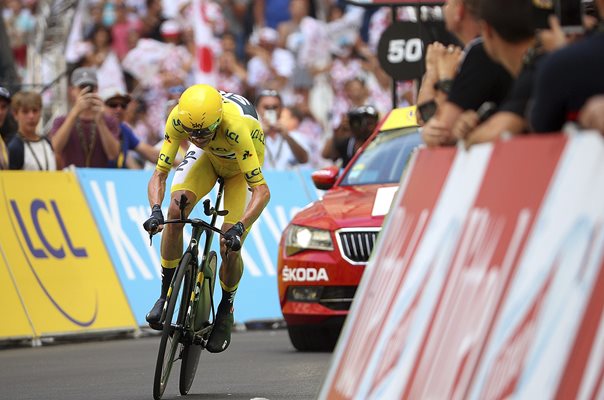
(200,110)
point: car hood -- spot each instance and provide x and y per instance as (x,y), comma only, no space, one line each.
(348,206)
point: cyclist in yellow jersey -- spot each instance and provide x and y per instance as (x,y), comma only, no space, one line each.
(227,141)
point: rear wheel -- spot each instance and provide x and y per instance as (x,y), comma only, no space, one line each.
(173,324)
(192,352)
(314,337)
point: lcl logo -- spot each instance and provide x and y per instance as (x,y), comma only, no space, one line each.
(36,207)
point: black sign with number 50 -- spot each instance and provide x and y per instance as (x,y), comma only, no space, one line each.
(401,51)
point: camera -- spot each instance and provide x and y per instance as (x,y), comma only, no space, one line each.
(270,116)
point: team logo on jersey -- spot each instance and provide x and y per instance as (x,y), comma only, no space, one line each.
(165,158)
(232,136)
(254,175)
(177,125)
(258,135)
(246,155)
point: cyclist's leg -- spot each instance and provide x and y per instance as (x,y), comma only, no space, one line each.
(186,181)
(236,197)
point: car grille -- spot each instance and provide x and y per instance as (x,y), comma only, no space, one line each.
(356,244)
(337,297)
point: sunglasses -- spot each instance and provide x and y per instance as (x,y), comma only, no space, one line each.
(271,107)
(198,133)
(117,104)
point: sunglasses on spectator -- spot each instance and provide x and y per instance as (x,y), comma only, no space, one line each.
(198,133)
(271,107)
(116,104)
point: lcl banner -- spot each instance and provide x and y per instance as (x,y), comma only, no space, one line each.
(496,287)
(54,258)
(118,200)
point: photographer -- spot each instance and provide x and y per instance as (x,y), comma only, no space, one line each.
(285,148)
(362,122)
(85,137)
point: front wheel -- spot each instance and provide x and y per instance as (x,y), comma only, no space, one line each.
(192,352)
(173,326)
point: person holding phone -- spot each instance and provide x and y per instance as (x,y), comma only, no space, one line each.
(285,148)
(86,136)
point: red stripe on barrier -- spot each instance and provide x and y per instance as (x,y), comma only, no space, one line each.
(412,212)
(584,342)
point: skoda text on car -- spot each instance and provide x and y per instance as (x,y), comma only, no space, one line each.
(324,250)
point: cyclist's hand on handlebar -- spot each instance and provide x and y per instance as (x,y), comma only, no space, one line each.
(232,237)
(155,221)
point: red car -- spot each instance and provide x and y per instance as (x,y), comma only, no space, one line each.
(324,249)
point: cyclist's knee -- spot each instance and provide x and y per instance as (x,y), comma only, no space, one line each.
(175,201)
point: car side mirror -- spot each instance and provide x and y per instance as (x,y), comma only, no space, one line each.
(325,178)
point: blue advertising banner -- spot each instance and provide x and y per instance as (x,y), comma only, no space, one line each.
(118,201)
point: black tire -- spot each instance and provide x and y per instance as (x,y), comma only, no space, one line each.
(170,338)
(320,338)
(192,352)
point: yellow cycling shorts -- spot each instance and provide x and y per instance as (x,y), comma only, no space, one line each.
(198,174)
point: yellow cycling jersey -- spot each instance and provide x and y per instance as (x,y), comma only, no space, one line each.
(237,146)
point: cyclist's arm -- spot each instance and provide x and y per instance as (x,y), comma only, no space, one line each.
(260,198)
(174,134)
(157,187)
(249,158)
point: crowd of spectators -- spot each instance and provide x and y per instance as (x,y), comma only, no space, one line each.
(531,77)
(317,60)
(319,55)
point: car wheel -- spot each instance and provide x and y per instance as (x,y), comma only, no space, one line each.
(314,338)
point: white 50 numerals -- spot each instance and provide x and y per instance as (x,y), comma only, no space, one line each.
(400,50)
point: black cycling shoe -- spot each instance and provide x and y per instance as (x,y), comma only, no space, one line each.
(154,316)
(220,338)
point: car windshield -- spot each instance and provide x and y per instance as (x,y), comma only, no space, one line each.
(384,159)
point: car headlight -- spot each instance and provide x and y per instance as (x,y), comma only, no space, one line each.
(300,238)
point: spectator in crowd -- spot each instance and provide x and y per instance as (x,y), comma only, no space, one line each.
(85,137)
(232,76)
(591,115)
(270,13)
(20,24)
(270,65)
(122,30)
(102,57)
(309,126)
(152,20)
(450,90)
(285,148)
(136,117)
(567,79)
(116,102)
(362,122)
(27,150)
(5,99)
(509,39)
